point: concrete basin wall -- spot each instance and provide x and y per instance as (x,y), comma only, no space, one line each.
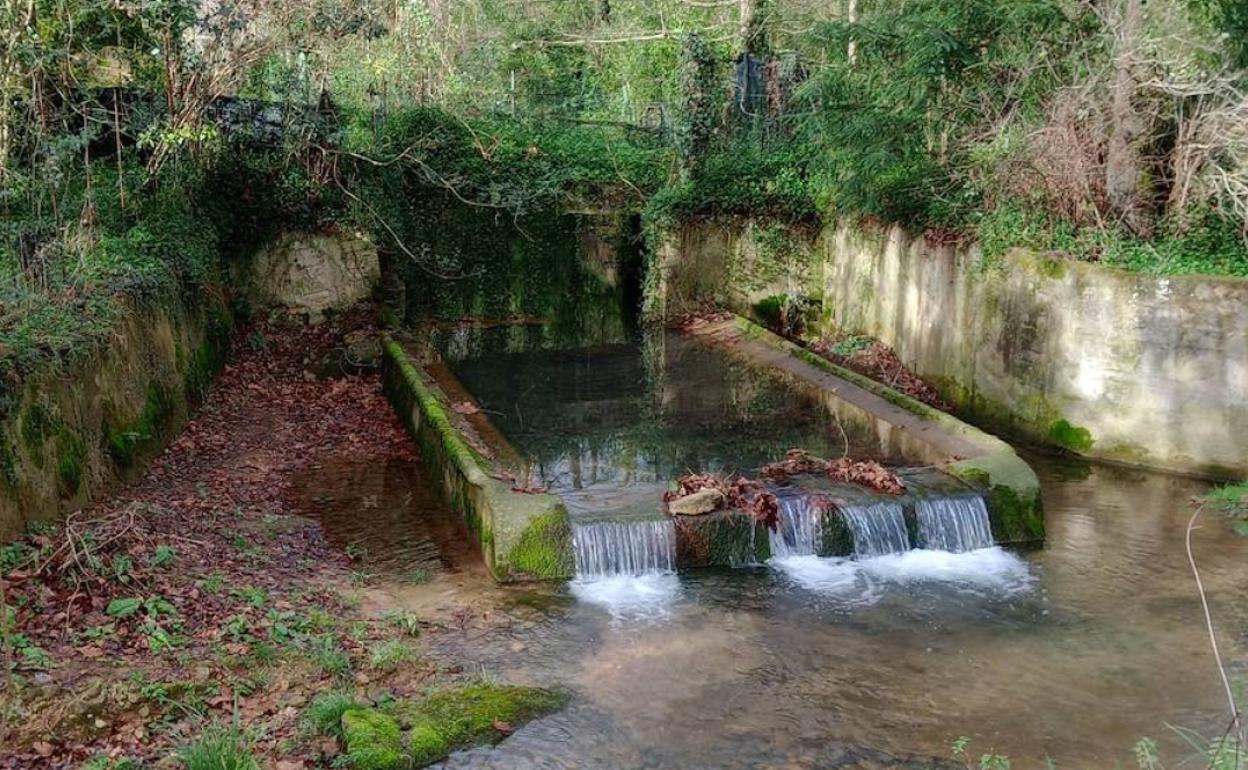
(1127,367)
(521,535)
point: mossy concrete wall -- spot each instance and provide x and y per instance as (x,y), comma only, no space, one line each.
(1127,367)
(70,431)
(522,535)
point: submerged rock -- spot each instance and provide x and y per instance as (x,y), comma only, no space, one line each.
(697,503)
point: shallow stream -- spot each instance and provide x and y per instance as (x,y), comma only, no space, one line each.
(1070,652)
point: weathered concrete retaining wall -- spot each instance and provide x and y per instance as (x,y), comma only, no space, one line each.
(1121,366)
(521,535)
(73,431)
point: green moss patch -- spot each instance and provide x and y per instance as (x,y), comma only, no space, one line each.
(1068,436)
(468,715)
(374,740)
(416,733)
(71,465)
(544,548)
(126,443)
(37,424)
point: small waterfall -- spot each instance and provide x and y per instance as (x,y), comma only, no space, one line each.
(606,548)
(800,528)
(954,524)
(878,528)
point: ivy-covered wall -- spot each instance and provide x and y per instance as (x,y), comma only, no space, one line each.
(1128,367)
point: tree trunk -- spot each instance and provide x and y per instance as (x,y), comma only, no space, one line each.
(1125,181)
(852,17)
(751,32)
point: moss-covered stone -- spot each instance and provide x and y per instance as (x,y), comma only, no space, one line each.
(374,740)
(545,547)
(838,539)
(464,716)
(521,535)
(1015,511)
(417,732)
(721,539)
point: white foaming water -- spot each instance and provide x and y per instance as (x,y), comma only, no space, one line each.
(630,597)
(955,524)
(862,581)
(993,568)
(832,576)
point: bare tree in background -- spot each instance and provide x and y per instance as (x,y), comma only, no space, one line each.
(1125,181)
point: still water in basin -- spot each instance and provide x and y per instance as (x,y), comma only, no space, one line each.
(607,427)
(1072,651)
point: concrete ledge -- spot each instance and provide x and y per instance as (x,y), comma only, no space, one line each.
(964,451)
(522,536)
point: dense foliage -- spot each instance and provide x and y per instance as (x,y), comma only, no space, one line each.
(140,142)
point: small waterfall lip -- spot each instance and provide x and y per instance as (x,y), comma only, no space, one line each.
(799,530)
(956,524)
(624,548)
(878,528)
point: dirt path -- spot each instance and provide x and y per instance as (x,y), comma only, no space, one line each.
(194,598)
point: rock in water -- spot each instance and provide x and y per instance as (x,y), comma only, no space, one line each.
(697,503)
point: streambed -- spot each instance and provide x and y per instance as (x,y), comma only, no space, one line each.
(1071,651)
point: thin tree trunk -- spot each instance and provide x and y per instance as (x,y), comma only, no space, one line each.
(1124,166)
(852,17)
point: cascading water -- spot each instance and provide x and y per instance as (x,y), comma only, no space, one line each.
(800,527)
(956,524)
(878,528)
(613,548)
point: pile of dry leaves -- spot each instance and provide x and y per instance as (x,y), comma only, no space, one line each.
(866,473)
(878,361)
(736,493)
